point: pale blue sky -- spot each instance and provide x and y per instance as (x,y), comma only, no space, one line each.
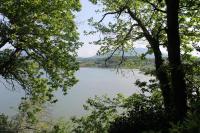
(88,11)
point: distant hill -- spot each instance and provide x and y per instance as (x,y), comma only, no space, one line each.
(135,52)
(133,60)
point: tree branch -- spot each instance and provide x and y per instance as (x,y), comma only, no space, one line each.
(110,13)
(140,24)
(155,7)
(122,46)
(111,55)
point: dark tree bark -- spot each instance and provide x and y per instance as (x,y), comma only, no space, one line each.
(162,76)
(161,73)
(177,75)
(173,86)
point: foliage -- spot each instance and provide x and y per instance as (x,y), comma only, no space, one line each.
(6,125)
(146,112)
(43,40)
(191,66)
(61,126)
(122,31)
(46,126)
(132,62)
(38,43)
(190,125)
(101,112)
(143,112)
(138,112)
(158,23)
(142,120)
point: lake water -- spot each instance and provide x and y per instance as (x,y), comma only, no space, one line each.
(92,81)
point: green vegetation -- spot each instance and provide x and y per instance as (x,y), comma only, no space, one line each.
(42,38)
(131,62)
(38,41)
(125,114)
(162,23)
(143,112)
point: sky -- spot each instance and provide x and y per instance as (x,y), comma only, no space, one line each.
(88,11)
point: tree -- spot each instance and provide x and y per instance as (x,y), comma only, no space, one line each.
(177,77)
(38,42)
(157,22)
(121,114)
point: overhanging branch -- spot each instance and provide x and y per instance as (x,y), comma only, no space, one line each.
(155,7)
(110,13)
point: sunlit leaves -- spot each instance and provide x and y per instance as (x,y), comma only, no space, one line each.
(43,40)
(120,31)
(104,111)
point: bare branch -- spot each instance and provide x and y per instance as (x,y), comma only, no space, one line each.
(122,46)
(155,7)
(110,13)
(122,57)
(140,24)
(111,55)
(197,48)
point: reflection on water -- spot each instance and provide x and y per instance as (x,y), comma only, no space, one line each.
(92,81)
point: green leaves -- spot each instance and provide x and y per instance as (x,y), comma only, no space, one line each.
(105,113)
(43,41)
(102,111)
(121,31)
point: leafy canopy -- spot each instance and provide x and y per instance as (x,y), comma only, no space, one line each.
(133,20)
(38,43)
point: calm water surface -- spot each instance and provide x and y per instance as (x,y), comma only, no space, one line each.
(92,81)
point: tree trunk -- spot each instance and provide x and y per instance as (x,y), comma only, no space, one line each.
(177,75)
(162,76)
(161,73)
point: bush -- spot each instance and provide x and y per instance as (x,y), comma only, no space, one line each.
(190,125)
(6,125)
(146,114)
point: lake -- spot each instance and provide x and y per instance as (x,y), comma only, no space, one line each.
(92,81)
